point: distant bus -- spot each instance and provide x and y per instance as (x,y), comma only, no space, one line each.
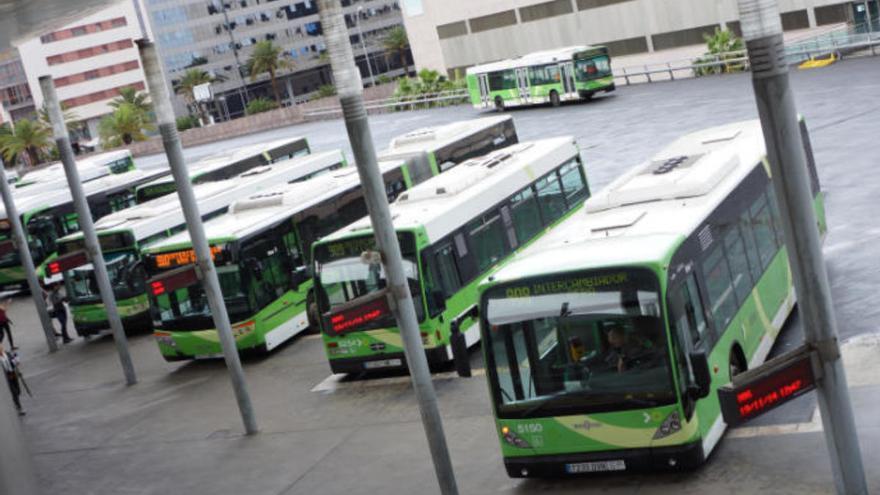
(89,168)
(606,341)
(51,215)
(268,306)
(453,230)
(551,76)
(125,233)
(226,165)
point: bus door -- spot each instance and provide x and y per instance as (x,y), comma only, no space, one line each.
(567,71)
(522,83)
(484,89)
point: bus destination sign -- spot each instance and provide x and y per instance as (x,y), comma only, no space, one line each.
(768,386)
(180,258)
(358,312)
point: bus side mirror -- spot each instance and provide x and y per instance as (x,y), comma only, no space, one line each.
(298,277)
(439,300)
(702,377)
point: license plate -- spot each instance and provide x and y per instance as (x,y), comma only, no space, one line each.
(595,467)
(209,356)
(382,363)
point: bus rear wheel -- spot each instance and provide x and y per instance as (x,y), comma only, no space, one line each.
(554,98)
(499,104)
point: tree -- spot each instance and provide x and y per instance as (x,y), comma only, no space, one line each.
(71,119)
(722,46)
(266,57)
(184,87)
(125,125)
(133,97)
(396,41)
(27,137)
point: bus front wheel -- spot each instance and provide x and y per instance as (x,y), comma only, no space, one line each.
(499,104)
(554,98)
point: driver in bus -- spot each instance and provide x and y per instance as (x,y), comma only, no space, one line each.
(625,352)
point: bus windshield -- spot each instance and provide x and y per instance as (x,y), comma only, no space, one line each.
(343,275)
(592,68)
(126,276)
(577,344)
(186,309)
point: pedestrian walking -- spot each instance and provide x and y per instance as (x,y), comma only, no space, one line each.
(56,300)
(5,322)
(9,365)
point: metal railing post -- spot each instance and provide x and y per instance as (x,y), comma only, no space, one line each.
(350,93)
(27,262)
(87,226)
(205,268)
(762,31)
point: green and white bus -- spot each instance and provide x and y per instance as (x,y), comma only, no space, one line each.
(228,164)
(453,230)
(551,76)
(446,145)
(605,342)
(125,233)
(89,168)
(51,215)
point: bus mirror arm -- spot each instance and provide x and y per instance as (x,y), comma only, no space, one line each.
(702,376)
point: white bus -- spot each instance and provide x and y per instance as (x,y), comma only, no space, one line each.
(125,233)
(89,168)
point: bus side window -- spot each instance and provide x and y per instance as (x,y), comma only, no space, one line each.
(719,287)
(573,184)
(550,198)
(448,279)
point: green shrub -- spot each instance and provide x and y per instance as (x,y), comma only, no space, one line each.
(187,122)
(326,91)
(260,105)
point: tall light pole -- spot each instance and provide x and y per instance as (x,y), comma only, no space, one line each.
(762,31)
(364,46)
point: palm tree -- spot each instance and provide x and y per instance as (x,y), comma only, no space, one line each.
(71,119)
(26,137)
(396,41)
(184,87)
(133,97)
(266,57)
(125,125)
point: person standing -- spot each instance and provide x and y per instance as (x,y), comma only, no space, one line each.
(9,365)
(4,325)
(59,311)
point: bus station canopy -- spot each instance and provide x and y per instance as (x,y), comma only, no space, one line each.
(21,19)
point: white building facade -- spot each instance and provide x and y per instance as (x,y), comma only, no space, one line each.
(446,35)
(90,59)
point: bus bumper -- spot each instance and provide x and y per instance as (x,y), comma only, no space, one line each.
(680,457)
(385,362)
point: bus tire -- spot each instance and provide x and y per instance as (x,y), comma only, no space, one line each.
(737,361)
(499,104)
(554,98)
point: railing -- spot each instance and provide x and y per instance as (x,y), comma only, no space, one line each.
(400,103)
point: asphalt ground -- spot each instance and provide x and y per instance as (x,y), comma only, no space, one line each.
(178,430)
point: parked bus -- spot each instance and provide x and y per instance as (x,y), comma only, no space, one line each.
(125,233)
(89,168)
(605,342)
(228,164)
(453,231)
(50,215)
(444,146)
(551,76)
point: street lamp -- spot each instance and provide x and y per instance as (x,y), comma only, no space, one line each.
(364,46)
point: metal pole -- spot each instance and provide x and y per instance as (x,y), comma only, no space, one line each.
(870,27)
(762,30)
(24,253)
(364,46)
(87,225)
(204,263)
(16,468)
(350,90)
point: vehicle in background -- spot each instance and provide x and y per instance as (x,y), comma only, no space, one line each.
(89,168)
(229,164)
(550,76)
(51,215)
(125,233)
(606,341)
(453,230)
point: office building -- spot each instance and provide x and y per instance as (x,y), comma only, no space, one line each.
(16,101)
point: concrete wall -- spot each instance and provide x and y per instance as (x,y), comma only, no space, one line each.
(640,20)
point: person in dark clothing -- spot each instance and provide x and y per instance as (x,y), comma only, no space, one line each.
(9,365)
(59,311)
(5,322)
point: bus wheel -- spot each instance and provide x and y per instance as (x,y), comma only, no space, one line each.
(737,362)
(499,104)
(554,98)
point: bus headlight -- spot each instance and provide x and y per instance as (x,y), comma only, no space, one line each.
(670,425)
(166,340)
(512,439)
